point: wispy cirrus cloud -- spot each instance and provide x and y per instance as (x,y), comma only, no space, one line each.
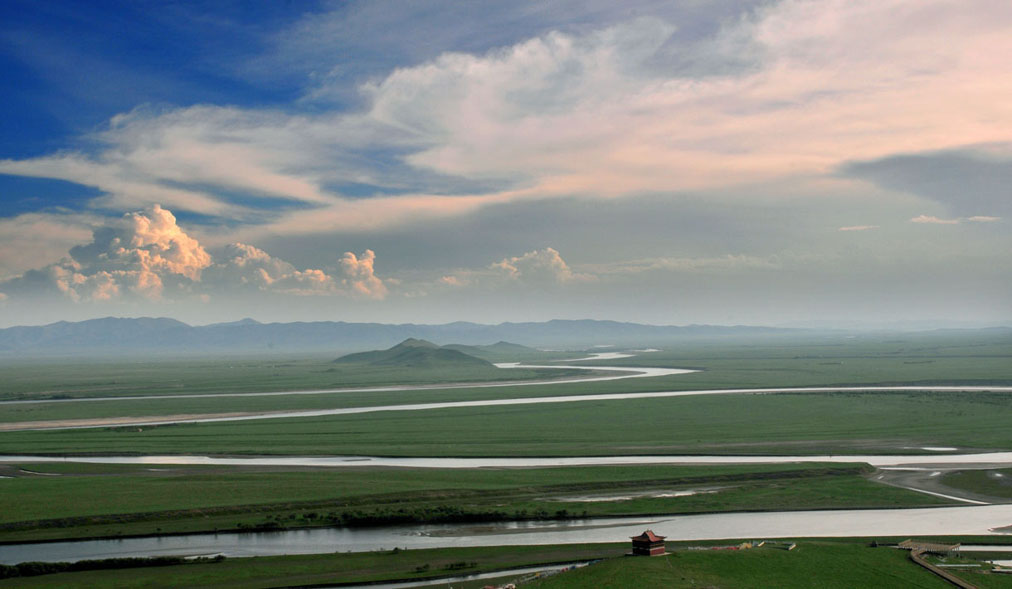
(577,113)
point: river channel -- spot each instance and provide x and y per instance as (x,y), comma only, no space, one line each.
(897,461)
(971,520)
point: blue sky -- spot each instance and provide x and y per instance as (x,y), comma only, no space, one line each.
(777,162)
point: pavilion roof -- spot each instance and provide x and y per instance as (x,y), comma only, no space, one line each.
(649,536)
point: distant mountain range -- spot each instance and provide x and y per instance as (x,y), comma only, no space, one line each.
(123,336)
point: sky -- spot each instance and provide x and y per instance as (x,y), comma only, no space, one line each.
(784,162)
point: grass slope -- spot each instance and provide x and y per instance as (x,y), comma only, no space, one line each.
(826,565)
(415,353)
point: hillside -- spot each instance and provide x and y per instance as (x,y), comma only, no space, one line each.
(415,353)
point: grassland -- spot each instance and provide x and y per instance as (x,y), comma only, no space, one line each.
(822,564)
(829,563)
(110,500)
(48,378)
(831,360)
(72,500)
(920,359)
(308,570)
(810,423)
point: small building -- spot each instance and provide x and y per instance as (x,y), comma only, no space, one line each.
(648,544)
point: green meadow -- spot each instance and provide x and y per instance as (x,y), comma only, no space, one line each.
(57,500)
(795,423)
(831,563)
(64,500)
(838,361)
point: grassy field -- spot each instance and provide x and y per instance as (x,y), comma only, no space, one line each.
(981,357)
(812,564)
(292,571)
(814,423)
(107,500)
(70,500)
(920,359)
(74,378)
(829,563)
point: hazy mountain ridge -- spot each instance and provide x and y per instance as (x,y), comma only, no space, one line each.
(146,335)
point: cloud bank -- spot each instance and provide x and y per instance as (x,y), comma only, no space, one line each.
(147,255)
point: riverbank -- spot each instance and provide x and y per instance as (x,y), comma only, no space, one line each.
(65,500)
(828,562)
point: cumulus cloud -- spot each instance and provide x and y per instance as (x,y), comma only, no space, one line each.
(147,255)
(543,267)
(245,267)
(360,275)
(142,254)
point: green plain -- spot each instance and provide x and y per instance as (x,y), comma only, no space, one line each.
(796,423)
(94,501)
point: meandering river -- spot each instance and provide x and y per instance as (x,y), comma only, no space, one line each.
(965,520)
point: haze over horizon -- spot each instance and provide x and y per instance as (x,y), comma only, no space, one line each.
(832,163)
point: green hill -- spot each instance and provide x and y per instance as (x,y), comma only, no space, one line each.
(416,353)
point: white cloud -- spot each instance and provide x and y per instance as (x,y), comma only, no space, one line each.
(932,220)
(858,228)
(591,114)
(544,266)
(983,219)
(360,275)
(141,253)
(539,268)
(146,255)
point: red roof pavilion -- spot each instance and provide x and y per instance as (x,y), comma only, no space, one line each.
(648,544)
